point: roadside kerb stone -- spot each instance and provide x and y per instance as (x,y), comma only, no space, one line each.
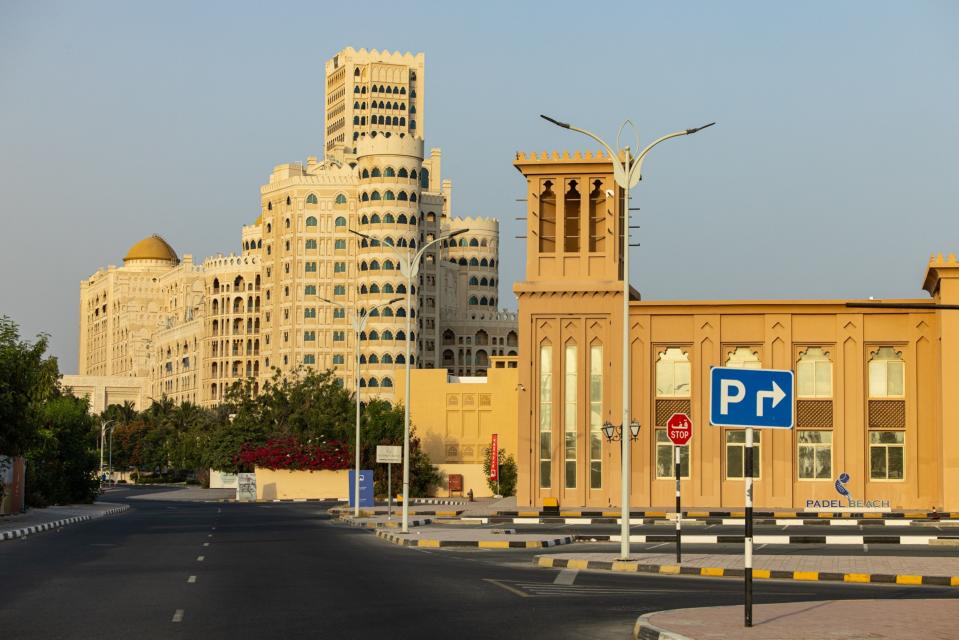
(435,537)
(381,522)
(896,570)
(13,533)
(823,620)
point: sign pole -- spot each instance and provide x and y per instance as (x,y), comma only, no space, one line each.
(748,574)
(679,511)
(389,490)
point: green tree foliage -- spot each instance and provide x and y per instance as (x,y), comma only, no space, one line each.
(60,460)
(507,472)
(27,379)
(382,424)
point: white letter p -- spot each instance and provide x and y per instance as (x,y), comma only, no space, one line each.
(725,398)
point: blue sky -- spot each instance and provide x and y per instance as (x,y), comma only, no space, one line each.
(830,173)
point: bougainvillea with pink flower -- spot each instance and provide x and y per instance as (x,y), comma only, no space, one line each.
(291,454)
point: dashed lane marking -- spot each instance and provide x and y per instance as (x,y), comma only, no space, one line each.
(177,616)
(191,579)
(200,558)
(566,576)
(206,544)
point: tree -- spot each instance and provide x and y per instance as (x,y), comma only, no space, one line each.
(60,459)
(27,379)
(506,486)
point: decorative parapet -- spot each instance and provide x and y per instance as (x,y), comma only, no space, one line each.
(556,156)
(395,145)
(942,268)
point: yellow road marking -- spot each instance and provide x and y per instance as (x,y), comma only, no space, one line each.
(857,577)
(908,579)
(712,571)
(805,575)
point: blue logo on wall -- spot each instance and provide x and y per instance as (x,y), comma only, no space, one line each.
(849,503)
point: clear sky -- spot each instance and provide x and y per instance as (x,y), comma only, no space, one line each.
(831,173)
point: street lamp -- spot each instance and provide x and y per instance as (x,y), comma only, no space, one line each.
(627,173)
(614,432)
(358,321)
(409,267)
(103,430)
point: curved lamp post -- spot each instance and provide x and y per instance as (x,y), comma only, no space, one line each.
(627,171)
(410,268)
(358,322)
(103,432)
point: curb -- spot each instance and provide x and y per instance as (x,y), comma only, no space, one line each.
(622,566)
(388,524)
(792,515)
(482,544)
(46,526)
(646,630)
(695,520)
(694,538)
(275,500)
(439,501)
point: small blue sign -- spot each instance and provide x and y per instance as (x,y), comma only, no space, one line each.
(760,398)
(366,487)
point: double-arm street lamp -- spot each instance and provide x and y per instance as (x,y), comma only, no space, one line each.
(358,321)
(627,171)
(409,262)
(103,433)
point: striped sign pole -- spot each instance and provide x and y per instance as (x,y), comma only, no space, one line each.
(679,511)
(748,573)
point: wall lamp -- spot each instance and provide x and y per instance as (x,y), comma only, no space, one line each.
(614,432)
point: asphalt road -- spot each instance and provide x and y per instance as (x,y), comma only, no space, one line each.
(200,570)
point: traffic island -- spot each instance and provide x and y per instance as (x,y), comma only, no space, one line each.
(433,537)
(382,522)
(909,571)
(823,620)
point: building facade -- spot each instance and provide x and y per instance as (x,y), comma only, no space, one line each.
(872,384)
(328,243)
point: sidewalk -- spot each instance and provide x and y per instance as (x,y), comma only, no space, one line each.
(37,520)
(930,619)
(912,570)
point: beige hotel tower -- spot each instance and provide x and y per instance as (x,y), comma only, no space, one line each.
(161,326)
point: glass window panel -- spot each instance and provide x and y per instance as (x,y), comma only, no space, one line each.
(664,462)
(824,462)
(595,415)
(877,459)
(805,374)
(877,379)
(806,462)
(895,379)
(595,474)
(734,462)
(824,379)
(894,463)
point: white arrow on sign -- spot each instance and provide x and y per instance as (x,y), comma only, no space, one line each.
(777,395)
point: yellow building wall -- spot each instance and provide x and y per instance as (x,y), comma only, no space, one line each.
(455,420)
(292,485)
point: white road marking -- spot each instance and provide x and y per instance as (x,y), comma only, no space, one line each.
(199,558)
(566,576)
(191,579)
(760,547)
(209,535)
(206,544)
(177,616)
(657,546)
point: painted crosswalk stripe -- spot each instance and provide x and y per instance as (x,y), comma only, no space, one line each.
(191,579)
(566,576)
(200,558)
(177,616)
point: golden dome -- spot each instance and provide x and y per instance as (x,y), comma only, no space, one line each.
(259,220)
(152,248)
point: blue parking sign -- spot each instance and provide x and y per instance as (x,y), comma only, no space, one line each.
(366,487)
(761,398)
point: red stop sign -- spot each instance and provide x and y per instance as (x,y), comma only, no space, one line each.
(679,428)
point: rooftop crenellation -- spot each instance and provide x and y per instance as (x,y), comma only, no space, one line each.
(556,156)
(936,260)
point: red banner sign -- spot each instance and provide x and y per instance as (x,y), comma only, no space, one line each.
(494,460)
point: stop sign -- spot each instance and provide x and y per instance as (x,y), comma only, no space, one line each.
(679,428)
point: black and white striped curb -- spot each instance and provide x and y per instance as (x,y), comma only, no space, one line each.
(482,544)
(383,524)
(771,539)
(278,500)
(46,526)
(441,501)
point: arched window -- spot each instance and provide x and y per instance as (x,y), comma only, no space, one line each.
(462,242)
(483,263)
(401,312)
(373,359)
(387,312)
(363,289)
(356,105)
(386,359)
(814,374)
(287,223)
(387,265)
(402,173)
(387,335)
(402,121)
(389,219)
(483,282)
(356,72)
(483,301)
(475,263)
(389,173)
(381,120)
(375,173)
(462,262)
(364,220)
(362,382)
(362,335)
(386,381)
(374,288)
(400,336)
(376,195)
(401,196)
(547,218)
(374,335)
(413,126)
(311,199)
(412,174)
(492,263)
(372,383)
(269,206)
(374,266)
(311,221)
(366,197)
(375,219)
(340,221)
(474,242)
(744,358)
(403,91)
(400,288)
(356,119)
(363,266)
(389,196)
(473,281)
(387,288)
(473,300)
(483,242)
(388,89)
(363,90)
(401,219)
(340,198)
(412,197)
(887,373)
(356,89)
(673,374)
(413,219)
(365,174)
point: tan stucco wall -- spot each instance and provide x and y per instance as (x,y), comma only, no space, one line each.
(285,485)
